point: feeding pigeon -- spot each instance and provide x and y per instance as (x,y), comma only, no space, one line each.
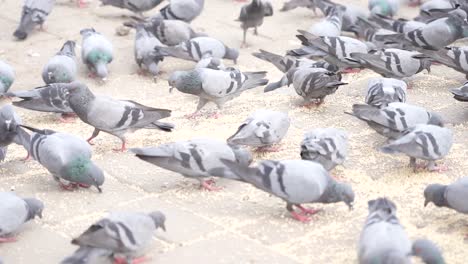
(96,52)
(400,25)
(313,84)
(262,129)
(295,181)
(145,55)
(293,4)
(327,146)
(136,6)
(171,32)
(215,86)
(7,77)
(331,25)
(34,13)
(9,131)
(350,15)
(384,7)
(393,120)
(453,57)
(434,9)
(383,239)
(426,142)
(89,255)
(210,63)
(286,63)
(452,196)
(252,14)
(61,68)
(393,63)
(197,48)
(383,91)
(14,212)
(125,233)
(116,117)
(66,157)
(461,93)
(185,10)
(49,98)
(193,158)
(338,49)
(427,251)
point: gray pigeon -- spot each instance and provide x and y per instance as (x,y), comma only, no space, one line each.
(96,52)
(210,63)
(331,25)
(116,117)
(34,13)
(435,35)
(50,98)
(194,158)
(66,157)
(393,63)
(393,120)
(7,77)
(171,32)
(384,7)
(89,255)
(215,86)
(400,25)
(125,233)
(383,91)
(145,55)
(252,14)
(293,4)
(185,10)
(452,196)
(383,239)
(427,251)
(368,30)
(287,62)
(434,9)
(262,129)
(461,93)
(453,57)
(197,48)
(426,142)
(350,15)
(9,131)
(61,68)
(136,6)
(313,84)
(14,212)
(294,181)
(327,146)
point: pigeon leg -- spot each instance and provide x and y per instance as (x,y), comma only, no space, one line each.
(82,4)
(82,185)
(244,41)
(412,164)
(28,157)
(67,117)
(7,239)
(95,134)
(134,261)
(299,217)
(432,167)
(68,187)
(351,70)
(308,211)
(123,148)
(208,185)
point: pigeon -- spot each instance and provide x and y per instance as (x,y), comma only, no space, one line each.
(49,98)
(293,4)
(383,91)
(89,255)
(262,129)
(331,25)
(14,212)
(125,233)
(136,6)
(294,181)
(96,52)
(350,15)
(435,35)
(427,251)
(197,48)
(313,84)
(61,68)
(171,32)
(145,55)
(327,146)
(215,86)
(66,157)
(7,77)
(453,57)
(210,63)
(338,49)
(34,13)
(185,10)
(384,7)
(383,239)
(393,120)
(434,9)
(426,142)
(461,93)
(252,14)
(194,158)
(399,25)
(393,63)
(116,117)
(452,196)
(9,132)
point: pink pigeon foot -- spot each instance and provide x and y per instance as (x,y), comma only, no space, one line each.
(82,4)
(134,261)
(312,104)
(208,185)
(28,157)
(122,149)
(7,239)
(351,70)
(215,115)
(308,211)
(68,187)
(82,185)
(68,118)
(300,217)
(439,168)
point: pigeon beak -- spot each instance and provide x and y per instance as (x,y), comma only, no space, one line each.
(426,202)
(163,227)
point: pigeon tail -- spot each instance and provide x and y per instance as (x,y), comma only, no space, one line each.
(254,79)
(270,57)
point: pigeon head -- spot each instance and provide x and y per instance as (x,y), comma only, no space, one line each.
(27,23)
(435,193)
(84,171)
(382,204)
(159,219)
(232,54)
(346,194)
(87,31)
(436,120)
(427,251)
(68,48)
(35,207)
(185,81)
(19,34)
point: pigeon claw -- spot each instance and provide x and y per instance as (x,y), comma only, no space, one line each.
(308,211)
(68,187)
(7,239)
(351,70)
(208,185)
(133,261)
(121,149)
(300,217)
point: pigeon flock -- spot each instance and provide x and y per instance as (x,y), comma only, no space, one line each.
(324,61)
